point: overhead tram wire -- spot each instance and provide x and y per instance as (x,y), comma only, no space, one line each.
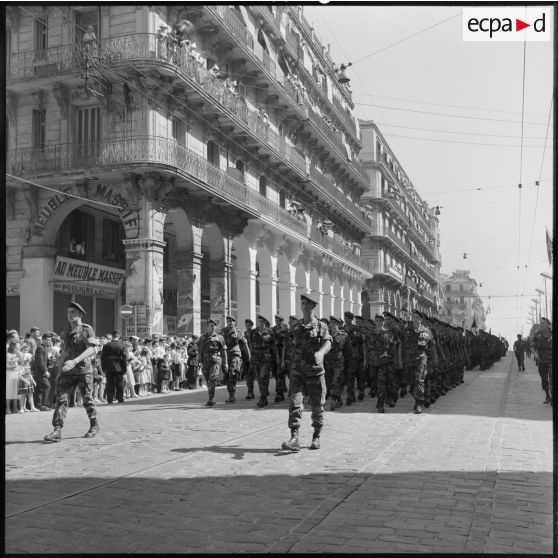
(407,38)
(538,183)
(460,142)
(295,187)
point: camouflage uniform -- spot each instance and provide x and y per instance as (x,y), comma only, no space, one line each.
(234,339)
(305,341)
(417,340)
(247,370)
(336,363)
(213,355)
(74,343)
(381,354)
(542,343)
(263,353)
(281,333)
(356,338)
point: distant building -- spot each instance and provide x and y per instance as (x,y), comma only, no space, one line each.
(403,246)
(461,303)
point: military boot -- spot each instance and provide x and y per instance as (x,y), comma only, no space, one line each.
(210,402)
(279,397)
(418,408)
(293,443)
(333,403)
(231,398)
(250,395)
(316,439)
(55,436)
(350,398)
(93,429)
(262,402)
(548,399)
(381,408)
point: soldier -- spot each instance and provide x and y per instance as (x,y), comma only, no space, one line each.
(418,338)
(248,373)
(287,350)
(263,353)
(78,346)
(356,338)
(519,351)
(542,351)
(310,341)
(234,340)
(394,372)
(213,358)
(281,332)
(337,361)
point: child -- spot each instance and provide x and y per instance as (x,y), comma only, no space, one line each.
(164,374)
(26,385)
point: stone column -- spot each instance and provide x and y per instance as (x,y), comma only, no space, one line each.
(188,302)
(218,293)
(287,291)
(268,291)
(144,284)
(36,289)
(246,288)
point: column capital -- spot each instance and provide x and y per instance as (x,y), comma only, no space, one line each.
(143,244)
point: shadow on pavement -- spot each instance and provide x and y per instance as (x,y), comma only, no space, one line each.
(343,511)
(236,451)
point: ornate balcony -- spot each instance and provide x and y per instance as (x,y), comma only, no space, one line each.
(149,150)
(34,63)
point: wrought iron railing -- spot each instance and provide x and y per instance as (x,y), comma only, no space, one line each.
(154,150)
(34,63)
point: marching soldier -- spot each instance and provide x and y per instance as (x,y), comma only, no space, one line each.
(263,353)
(310,341)
(78,346)
(356,338)
(281,332)
(418,338)
(287,351)
(247,371)
(236,346)
(213,357)
(337,361)
(542,349)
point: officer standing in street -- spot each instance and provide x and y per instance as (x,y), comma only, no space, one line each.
(78,346)
(114,361)
(542,349)
(310,341)
(213,357)
(234,339)
(519,351)
(264,352)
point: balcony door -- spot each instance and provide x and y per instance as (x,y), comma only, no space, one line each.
(88,134)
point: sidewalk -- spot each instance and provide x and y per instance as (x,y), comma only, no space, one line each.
(166,474)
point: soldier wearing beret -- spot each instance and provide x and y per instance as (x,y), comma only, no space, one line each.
(356,338)
(310,342)
(337,361)
(78,346)
(236,347)
(263,353)
(418,338)
(281,332)
(213,357)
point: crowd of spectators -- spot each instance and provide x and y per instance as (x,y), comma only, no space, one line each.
(160,364)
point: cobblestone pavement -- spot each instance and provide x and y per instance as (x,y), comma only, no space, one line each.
(473,474)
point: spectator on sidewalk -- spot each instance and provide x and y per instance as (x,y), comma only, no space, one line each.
(12,371)
(41,372)
(26,382)
(114,362)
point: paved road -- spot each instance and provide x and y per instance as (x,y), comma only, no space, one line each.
(166,474)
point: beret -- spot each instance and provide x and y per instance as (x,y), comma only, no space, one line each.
(211,321)
(232,318)
(248,321)
(349,315)
(335,320)
(308,298)
(78,307)
(278,317)
(378,317)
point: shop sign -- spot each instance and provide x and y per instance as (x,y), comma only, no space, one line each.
(12,290)
(83,289)
(94,275)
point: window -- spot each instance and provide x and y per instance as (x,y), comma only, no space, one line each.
(282,199)
(41,37)
(263,186)
(461,288)
(39,125)
(178,131)
(113,249)
(76,236)
(240,167)
(88,131)
(213,153)
(85,17)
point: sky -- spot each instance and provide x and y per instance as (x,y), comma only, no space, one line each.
(483,94)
